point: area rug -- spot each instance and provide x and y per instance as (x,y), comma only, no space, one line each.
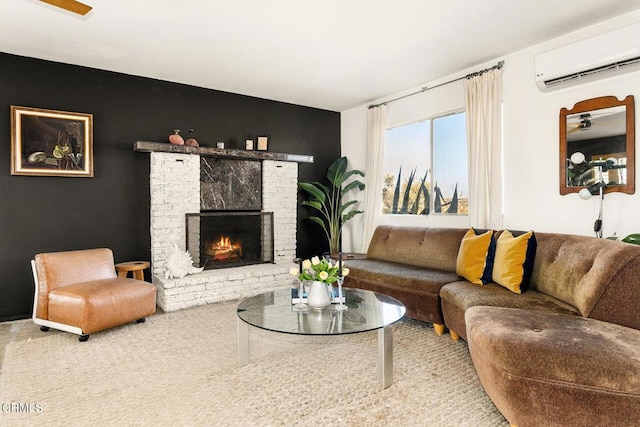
(181,368)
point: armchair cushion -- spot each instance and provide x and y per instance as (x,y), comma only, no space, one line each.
(102,304)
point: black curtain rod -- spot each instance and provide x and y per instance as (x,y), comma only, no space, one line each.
(498,66)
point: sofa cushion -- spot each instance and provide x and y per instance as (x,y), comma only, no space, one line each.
(435,248)
(597,276)
(460,296)
(475,257)
(396,275)
(543,368)
(513,261)
(417,288)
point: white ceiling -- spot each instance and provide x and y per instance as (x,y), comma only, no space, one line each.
(329,54)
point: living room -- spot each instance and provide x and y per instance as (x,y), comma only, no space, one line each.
(112,209)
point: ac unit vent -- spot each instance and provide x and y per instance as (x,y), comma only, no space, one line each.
(595,73)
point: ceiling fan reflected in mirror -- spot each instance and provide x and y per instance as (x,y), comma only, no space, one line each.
(584,123)
(70,5)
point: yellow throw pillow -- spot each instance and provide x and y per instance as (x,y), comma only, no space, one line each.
(475,257)
(513,260)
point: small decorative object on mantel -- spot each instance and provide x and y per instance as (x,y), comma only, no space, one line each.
(248,144)
(191,142)
(179,264)
(220,145)
(263,142)
(175,138)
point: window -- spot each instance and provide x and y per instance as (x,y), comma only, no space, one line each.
(425,167)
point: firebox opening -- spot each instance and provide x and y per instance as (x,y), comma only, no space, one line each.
(230,239)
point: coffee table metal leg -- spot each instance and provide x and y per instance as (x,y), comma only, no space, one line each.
(385,356)
(243,342)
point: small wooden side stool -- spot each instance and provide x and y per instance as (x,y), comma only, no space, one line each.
(135,267)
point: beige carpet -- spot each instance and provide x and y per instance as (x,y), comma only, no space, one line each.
(181,368)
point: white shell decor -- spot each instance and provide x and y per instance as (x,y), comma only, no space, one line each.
(179,264)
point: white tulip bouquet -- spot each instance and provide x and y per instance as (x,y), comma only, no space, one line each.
(319,269)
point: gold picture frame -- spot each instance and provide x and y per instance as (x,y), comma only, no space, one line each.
(51,143)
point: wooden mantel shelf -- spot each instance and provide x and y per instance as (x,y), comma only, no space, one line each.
(165,147)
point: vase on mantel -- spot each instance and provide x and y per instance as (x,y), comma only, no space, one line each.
(175,138)
(191,141)
(318,295)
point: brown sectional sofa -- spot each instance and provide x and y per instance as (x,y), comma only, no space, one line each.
(565,352)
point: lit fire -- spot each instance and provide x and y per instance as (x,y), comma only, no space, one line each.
(224,249)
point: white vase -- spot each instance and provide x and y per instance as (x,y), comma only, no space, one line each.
(318,295)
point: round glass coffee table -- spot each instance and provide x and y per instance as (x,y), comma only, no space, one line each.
(367,311)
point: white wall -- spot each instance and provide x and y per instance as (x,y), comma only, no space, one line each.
(531,145)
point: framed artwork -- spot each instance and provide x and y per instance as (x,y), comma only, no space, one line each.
(262,142)
(51,143)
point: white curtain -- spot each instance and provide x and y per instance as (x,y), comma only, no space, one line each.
(376,128)
(483,102)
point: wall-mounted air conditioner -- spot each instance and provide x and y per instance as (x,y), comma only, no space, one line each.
(594,58)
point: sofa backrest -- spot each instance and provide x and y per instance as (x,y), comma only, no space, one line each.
(599,277)
(56,269)
(435,248)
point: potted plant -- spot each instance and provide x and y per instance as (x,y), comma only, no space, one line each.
(328,201)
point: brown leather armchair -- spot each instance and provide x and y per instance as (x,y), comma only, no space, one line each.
(79,292)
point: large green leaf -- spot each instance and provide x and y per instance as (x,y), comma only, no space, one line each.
(353,184)
(350,215)
(396,193)
(340,179)
(407,193)
(453,204)
(314,204)
(336,170)
(344,206)
(323,188)
(313,191)
(319,221)
(423,190)
(438,199)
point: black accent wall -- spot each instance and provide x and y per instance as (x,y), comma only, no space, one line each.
(45,214)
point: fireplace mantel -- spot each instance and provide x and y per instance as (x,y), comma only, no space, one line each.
(165,147)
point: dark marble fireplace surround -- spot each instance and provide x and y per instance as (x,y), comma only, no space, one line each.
(230,185)
(230,230)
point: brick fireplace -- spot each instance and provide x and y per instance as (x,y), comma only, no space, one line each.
(175,192)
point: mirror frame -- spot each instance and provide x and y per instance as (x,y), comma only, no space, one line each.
(598,104)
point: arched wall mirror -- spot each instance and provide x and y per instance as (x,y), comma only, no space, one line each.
(597,145)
